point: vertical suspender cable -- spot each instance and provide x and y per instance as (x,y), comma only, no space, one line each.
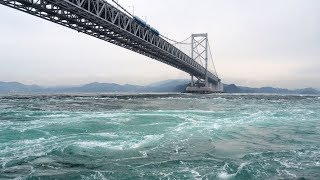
(213,61)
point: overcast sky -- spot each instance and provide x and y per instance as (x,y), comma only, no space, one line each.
(256,43)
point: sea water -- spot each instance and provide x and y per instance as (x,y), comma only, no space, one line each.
(159,136)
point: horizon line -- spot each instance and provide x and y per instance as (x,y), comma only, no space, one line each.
(123,84)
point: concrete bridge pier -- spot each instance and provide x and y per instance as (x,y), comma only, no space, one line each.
(218,87)
(204,87)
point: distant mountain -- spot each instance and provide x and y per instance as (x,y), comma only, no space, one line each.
(164,86)
(307,91)
(170,86)
(97,87)
(232,88)
(14,87)
(171,83)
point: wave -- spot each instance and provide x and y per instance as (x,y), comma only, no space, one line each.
(146,135)
(97,175)
(106,134)
(120,145)
(224,173)
(56,116)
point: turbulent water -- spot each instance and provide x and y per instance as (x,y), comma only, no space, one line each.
(160,137)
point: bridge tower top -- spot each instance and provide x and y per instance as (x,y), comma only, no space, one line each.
(199,51)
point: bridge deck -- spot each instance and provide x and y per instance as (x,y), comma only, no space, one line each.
(100,19)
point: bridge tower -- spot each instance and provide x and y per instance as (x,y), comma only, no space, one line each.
(199,53)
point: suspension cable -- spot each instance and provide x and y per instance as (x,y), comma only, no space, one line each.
(212,60)
(183,42)
(176,42)
(122,8)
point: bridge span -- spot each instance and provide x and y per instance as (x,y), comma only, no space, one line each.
(102,20)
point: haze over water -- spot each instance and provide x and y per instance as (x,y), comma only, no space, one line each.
(160,136)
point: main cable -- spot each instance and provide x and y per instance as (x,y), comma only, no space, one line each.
(176,42)
(122,8)
(212,60)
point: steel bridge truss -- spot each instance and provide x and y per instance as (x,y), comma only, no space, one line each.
(100,19)
(199,51)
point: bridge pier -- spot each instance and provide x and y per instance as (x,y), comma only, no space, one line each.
(192,81)
(203,88)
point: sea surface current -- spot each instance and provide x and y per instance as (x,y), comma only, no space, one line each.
(159,136)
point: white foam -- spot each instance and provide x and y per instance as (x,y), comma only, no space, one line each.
(106,134)
(179,112)
(165,175)
(220,98)
(176,98)
(120,145)
(95,144)
(287,164)
(147,139)
(196,175)
(290,174)
(216,126)
(26,148)
(3,162)
(224,174)
(100,115)
(96,175)
(144,154)
(32,141)
(56,116)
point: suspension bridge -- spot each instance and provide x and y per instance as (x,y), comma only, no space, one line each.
(113,23)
